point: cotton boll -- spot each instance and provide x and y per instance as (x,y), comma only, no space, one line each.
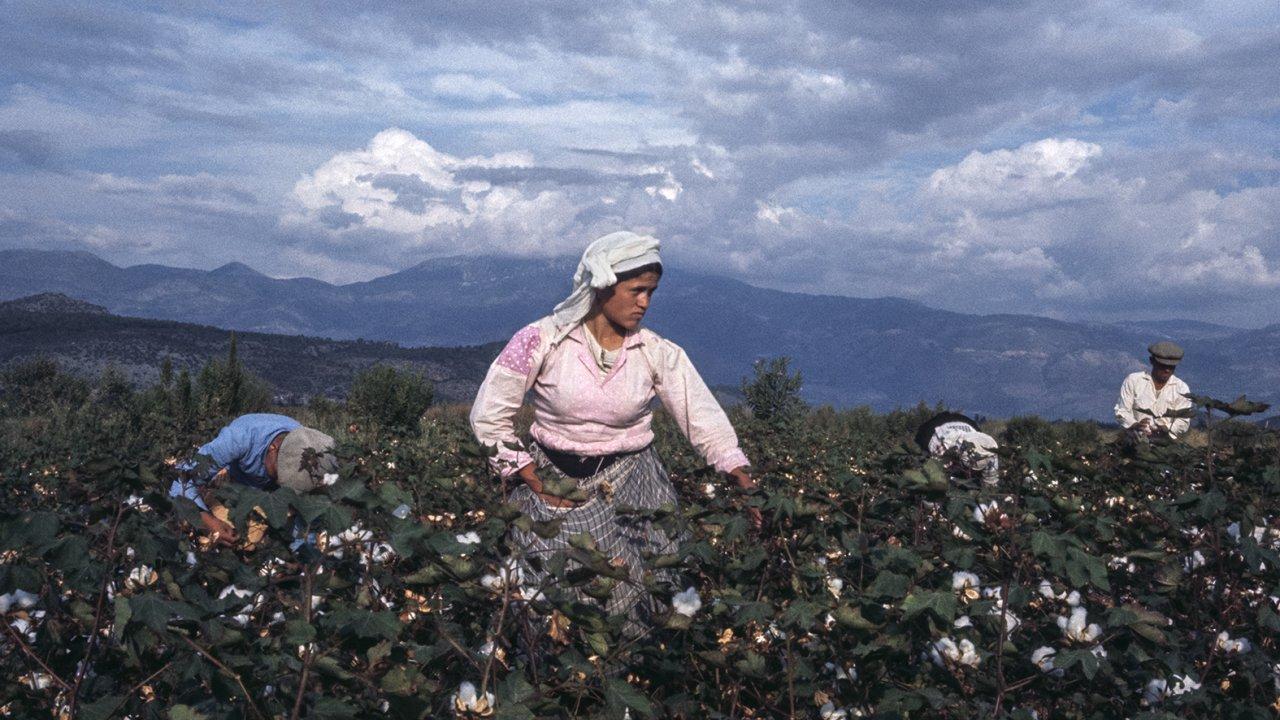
(963,621)
(141,577)
(1073,598)
(964,581)
(468,700)
(834,586)
(37,681)
(401,511)
(985,511)
(18,599)
(1154,692)
(381,552)
(1194,561)
(687,603)
(1046,591)
(969,654)
(944,650)
(1183,684)
(1077,628)
(467,538)
(1227,644)
(829,711)
(1042,658)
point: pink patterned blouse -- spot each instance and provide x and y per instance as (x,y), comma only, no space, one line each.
(580,409)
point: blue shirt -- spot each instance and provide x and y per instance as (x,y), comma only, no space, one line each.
(240,448)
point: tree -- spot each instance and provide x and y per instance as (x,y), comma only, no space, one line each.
(774,394)
(226,388)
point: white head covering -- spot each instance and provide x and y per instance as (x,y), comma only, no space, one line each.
(601,262)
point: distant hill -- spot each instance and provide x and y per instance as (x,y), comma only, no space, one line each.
(883,352)
(85,339)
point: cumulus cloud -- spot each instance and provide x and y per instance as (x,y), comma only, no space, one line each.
(1035,173)
(402,197)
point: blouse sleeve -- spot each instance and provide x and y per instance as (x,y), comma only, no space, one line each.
(695,409)
(500,397)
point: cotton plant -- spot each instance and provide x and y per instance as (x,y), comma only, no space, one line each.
(244,615)
(986,512)
(468,702)
(17,600)
(1077,628)
(1157,689)
(507,575)
(1231,646)
(1042,657)
(966,584)
(687,603)
(946,651)
(141,577)
(1193,562)
(849,672)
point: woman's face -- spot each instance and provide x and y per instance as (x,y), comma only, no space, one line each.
(626,303)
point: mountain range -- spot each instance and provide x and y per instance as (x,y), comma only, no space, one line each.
(882,352)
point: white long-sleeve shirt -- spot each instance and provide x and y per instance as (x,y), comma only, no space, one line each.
(1139,400)
(580,409)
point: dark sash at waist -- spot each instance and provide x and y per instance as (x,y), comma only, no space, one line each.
(580,467)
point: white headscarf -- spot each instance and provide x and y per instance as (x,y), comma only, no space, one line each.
(601,262)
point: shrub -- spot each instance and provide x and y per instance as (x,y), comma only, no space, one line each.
(33,386)
(391,398)
(1029,432)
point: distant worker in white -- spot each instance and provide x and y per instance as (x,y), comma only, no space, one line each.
(1148,398)
(956,440)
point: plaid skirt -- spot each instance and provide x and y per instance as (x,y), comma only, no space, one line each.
(636,481)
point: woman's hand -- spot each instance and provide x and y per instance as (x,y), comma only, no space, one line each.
(530,478)
(742,478)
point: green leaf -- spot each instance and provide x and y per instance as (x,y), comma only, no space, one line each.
(400,680)
(298,632)
(186,712)
(889,585)
(155,612)
(941,604)
(102,708)
(365,624)
(331,709)
(621,693)
(123,614)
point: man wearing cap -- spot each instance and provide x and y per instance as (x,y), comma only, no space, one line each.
(261,450)
(1147,398)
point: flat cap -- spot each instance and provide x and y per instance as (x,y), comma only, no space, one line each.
(1165,352)
(292,469)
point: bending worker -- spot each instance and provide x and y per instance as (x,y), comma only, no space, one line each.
(1147,398)
(955,439)
(261,450)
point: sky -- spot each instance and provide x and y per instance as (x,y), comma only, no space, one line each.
(1083,160)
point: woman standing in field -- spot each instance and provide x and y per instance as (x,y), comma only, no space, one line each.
(591,372)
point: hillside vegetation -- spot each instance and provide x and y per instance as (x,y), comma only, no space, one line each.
(1096,581)
(85,338)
